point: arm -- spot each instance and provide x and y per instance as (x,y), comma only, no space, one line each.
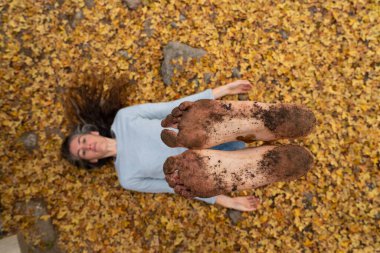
(161,110)
(153,185)
(236,87)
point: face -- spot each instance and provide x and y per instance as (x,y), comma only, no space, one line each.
(90,147)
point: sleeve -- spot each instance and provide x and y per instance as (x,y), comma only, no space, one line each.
(152,185)
(161,110)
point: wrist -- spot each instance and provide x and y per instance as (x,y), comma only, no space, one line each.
(220,91)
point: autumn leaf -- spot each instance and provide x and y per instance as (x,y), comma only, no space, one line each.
(322,55)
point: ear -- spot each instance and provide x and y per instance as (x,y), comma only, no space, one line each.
(94,132)
(93,161)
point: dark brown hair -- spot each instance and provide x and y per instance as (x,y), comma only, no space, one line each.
(91,104)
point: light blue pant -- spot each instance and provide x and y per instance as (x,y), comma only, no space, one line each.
(230,146)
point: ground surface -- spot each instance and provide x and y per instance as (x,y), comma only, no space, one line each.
(325,56)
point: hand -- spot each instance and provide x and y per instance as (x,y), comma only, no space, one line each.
(237,87)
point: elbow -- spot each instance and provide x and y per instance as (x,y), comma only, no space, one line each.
(131,185)
(126,185)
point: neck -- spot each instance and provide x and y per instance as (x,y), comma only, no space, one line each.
(111,147)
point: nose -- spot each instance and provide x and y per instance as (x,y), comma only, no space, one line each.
(88,146)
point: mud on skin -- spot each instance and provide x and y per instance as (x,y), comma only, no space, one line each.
(287,120)
(206,123)
(286,163)
(206,173)
(194,121)
(186,175)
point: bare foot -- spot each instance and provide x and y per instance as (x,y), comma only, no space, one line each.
(206,123)
(244,203)
(206,173)
(249,203)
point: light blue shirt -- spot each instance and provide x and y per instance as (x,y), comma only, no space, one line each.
(140,150)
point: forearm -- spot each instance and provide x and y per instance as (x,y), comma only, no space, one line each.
(220,91)
(236,87)
(161,110)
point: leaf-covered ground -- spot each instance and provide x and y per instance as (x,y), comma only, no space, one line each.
(322,54)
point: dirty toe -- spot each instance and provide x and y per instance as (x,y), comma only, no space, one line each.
(172,178)
(170,165)
(169,137)
(185,105)
(169,121)
(183,191)
(176,112)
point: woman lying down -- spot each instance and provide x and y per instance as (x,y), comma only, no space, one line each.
(202,152)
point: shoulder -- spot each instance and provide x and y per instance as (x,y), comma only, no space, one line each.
(134,109)
(132,183)
(126,184)
(125,113)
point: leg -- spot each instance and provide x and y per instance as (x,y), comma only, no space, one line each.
(207,123)
(206,173)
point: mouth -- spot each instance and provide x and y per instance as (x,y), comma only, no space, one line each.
(94,147)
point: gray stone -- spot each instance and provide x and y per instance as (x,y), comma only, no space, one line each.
(284,34)
(236,72)
(27,51)
(132,4)
(48,7)
(30,140)
(313,10)
(75,19)
(124,54)
(234,215)
(174,25)
(175,50)
(1,227)
(148,27)
(243,97)
(26,247)
(207,77)
(308,200)
(148,31)
(89,3)
(195,81)
(41,228)
(370,186)
(182,17)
